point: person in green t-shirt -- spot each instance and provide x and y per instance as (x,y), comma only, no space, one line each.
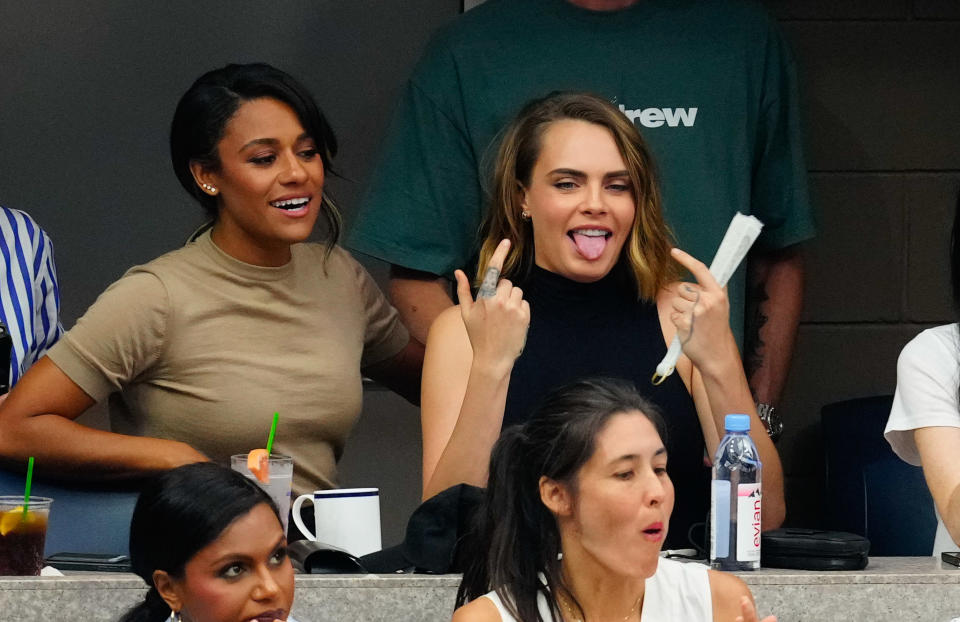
(712,87)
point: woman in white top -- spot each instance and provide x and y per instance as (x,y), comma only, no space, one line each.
(924,424)
(577,508)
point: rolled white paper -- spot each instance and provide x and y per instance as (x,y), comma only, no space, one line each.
(740,236)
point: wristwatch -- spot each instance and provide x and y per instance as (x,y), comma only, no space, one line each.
(771,420)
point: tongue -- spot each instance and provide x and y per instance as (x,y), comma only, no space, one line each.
(590,247)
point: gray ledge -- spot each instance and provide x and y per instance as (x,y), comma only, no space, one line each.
(904,588)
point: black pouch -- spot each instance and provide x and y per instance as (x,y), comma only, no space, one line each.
(813,549)
(318,558)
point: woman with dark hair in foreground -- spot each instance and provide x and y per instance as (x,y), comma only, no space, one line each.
(209,543)
(577,509)
(205,343)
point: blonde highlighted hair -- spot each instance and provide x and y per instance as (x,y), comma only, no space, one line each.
(647,248)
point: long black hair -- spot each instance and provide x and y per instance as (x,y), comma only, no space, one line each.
(178,513)
(209,104)
(517,536)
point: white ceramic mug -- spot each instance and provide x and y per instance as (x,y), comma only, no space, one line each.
(347,518)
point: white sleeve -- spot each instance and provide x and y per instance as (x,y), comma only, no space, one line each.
(927,390)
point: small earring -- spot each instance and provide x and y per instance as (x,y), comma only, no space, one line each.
(174,616)
(210,189)
(525,215)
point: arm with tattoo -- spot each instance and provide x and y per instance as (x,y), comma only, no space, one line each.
(774,300)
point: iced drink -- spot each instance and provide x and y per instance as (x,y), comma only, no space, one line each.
(280,484)
(22,535)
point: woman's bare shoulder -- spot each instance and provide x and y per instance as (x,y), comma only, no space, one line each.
(477,610)
(726,590)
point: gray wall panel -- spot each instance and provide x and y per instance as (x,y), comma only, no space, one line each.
(90,88)
(880,95)
(837,10)
(930,201)
(854,267)
(936,9)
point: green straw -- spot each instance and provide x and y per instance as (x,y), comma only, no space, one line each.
(273,432)
(26,492)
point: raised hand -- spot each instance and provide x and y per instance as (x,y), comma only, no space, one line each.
(498,319)
(701,313)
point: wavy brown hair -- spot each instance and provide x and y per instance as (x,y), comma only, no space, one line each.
(647,249)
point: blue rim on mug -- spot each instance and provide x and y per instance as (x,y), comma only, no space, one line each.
(340,493)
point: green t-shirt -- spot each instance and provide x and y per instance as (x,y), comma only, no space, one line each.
(710,84)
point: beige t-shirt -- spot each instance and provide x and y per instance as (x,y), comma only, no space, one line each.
(204,348)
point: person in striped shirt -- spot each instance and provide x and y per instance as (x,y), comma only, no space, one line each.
(29,294)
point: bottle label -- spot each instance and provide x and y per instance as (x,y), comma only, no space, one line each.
(748,522)
(720,519)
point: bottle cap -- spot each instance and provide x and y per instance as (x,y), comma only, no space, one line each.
(737,423)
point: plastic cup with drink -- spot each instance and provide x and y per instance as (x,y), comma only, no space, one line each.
(273,472)
(23,530)
(22,537)
(279,480)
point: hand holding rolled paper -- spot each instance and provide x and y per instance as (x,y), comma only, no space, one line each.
(497,320)
(697,306)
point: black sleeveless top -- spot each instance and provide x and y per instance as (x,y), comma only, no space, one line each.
(603,329)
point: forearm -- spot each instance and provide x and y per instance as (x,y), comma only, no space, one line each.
(466,456)
(38,419)
(727,392)
(775,299)
(67,449)
(951,518)
(939,455)
(419,298)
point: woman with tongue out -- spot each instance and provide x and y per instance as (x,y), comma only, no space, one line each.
(576,233)
(205,343)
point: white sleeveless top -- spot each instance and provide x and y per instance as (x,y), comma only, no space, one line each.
(677,591)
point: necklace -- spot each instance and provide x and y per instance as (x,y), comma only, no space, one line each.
(574,618)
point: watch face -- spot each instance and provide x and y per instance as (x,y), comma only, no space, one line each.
(774,426)
(771,420)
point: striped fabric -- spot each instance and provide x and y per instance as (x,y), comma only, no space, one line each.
(29,295)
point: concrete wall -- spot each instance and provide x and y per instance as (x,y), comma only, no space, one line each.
(881,83)
(89,89)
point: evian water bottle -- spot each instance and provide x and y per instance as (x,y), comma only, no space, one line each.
(735,499)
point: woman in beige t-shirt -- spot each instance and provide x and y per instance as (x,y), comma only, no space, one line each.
(203,344)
